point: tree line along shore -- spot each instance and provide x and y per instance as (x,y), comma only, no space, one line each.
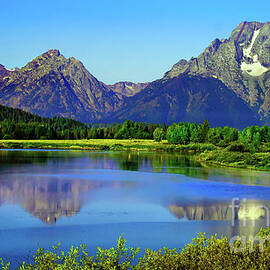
(226,146)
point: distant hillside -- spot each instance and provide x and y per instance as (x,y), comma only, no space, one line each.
(17,124)
(17,115)
(127,89)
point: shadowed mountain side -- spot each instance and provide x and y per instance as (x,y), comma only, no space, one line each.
(187,98)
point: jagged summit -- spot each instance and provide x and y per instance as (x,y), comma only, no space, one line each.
(52,57)
(53,85)
(52,52)
(240,33)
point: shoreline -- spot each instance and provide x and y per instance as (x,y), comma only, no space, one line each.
(206,153)
(104,144)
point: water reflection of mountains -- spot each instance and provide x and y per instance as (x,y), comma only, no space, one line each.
(240,210)
(47,200)
(50,199)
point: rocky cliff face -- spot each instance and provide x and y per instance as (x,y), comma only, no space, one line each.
(53,85)
(241,62)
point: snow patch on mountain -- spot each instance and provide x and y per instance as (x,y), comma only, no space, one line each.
(255,68)
(247,51)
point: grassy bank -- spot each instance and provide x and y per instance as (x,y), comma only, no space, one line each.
(104,144)
(201,253)
(203,152)
(221,157)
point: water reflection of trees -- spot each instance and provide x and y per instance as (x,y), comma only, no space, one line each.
(174,163)
(159,162)
(20,158)
(185,164)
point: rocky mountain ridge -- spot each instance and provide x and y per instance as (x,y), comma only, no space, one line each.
(229,84)
(53,85)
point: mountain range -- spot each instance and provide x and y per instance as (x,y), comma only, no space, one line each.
(228,84)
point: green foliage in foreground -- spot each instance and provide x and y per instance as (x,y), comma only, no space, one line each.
(201,253)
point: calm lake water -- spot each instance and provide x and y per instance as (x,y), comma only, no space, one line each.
(154,199)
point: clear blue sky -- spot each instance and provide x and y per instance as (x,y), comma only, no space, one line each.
(120,40)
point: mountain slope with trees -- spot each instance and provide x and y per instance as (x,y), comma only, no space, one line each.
(17,124)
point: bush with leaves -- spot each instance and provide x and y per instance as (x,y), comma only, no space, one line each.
(158,135)
(201,253)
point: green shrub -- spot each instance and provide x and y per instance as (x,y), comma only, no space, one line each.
(7,137)
(197,147)
(158,135)
(201,253)
(236,147)
(251,159)
(222,144)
